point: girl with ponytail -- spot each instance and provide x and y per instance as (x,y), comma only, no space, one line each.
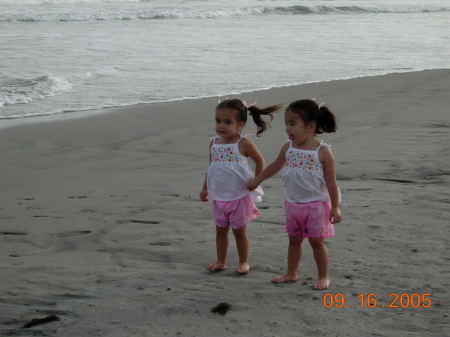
(228,172)
(312,195)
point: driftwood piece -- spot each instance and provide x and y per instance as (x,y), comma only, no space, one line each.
(38,321)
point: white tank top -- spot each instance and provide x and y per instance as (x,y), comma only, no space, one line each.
(228,173)
(303,176)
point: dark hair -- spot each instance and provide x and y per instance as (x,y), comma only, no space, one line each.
(310,112)
(254,111)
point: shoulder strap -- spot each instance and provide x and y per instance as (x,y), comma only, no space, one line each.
(245,135)
(322,143)
(213,139)
(288,149)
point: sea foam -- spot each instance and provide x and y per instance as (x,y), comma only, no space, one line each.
(15,90)
(142,13)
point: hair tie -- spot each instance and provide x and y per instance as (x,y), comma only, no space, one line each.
(319,105)
(248,106)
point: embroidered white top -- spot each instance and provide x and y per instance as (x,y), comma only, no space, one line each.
(303,176)
(228,173)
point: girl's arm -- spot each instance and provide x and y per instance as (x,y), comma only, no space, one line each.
(270,170)
(250,150)
(204,191)
(329,170)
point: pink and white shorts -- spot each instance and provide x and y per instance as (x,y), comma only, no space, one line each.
(311,219)
(235,213)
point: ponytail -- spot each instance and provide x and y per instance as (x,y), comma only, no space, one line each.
(327,121)
(311,112)
(256,113)
(243,110)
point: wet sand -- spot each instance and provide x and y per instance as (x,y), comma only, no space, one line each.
(101,223)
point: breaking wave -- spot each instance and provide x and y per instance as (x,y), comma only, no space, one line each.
(160,13)
(15,90)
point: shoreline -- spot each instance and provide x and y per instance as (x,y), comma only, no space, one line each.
(67,115)
(101,222)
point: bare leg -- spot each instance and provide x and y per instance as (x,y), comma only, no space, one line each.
(294,256)
(221,248)
(242,245)
(321,256)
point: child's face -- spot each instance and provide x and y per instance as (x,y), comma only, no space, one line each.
(227,124)
(296,128)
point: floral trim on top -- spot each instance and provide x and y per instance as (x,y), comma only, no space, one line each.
(224,154)
(306,161)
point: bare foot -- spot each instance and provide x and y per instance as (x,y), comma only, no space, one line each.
(243,268)
(216,266)
(286,278)
(322,283)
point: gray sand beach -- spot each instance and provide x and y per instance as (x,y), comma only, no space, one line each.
(101,223)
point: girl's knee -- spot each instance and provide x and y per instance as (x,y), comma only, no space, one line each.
(295,240)
(316,243)
(222,230)
(240,232)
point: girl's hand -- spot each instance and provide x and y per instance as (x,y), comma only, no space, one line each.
(252,184)
(335,215)
(204,195)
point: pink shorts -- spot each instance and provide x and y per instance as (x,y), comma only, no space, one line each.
(311,219)
(236,213)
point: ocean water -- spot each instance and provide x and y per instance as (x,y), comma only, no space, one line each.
(60,56)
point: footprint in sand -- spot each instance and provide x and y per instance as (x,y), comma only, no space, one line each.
(402,181)
(161,243)
(73,233)
(12,233)
(375,227)
(74,296)
(170,195)
(148,222)
(87,210)
(436,125)
(26,198)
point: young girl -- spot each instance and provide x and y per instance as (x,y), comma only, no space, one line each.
(311,192)
(228,172)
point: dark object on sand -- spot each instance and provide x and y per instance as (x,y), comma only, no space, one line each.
(37,321)
(221,308)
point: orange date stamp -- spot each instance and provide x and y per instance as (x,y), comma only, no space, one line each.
(371,300)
